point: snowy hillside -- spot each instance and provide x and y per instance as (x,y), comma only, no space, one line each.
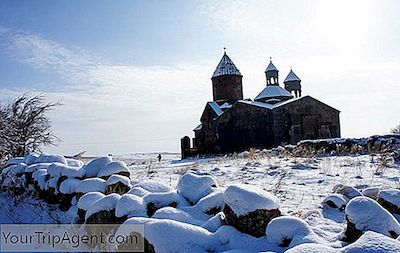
(260,200)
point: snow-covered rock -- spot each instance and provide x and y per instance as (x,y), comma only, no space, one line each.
(40,176)
(371,192)
(118,179)
(15,161)
(155,201)
(92,185)
(18,169)
(215,222)
(88,199)
(365,214)
(130,205)
(33,167)
(58,169)
(68,186)
(107,203)
(154,186)
(116,167)
(31,158)
(348,191)
(181,237)
(243,199)
(289,232)
(250,210)
(193,187)
(171,213)
(46,158)
(313,248)
(94,166)
(335,201)
(212,203)
(390,199)
(372,242)
(138,191)
(74,163)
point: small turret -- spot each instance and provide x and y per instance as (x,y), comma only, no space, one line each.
(293,83)
(271,74)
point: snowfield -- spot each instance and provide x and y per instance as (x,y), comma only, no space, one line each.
(314,203)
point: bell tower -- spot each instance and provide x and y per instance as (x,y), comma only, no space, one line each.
(293,84)
(227,82)
(271,74)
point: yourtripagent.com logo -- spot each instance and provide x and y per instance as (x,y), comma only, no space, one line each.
(72,238)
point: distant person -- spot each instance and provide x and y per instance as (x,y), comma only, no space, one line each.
(159,157)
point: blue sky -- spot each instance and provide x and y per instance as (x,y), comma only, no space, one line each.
(134,76)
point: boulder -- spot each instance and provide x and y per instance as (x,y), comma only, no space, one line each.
(249,210)
(118,184)
(390,200)
(114,168)
(194,187)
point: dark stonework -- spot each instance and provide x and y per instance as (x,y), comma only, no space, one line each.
(253,223)
(227,88)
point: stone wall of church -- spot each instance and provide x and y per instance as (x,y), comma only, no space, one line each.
(228,87)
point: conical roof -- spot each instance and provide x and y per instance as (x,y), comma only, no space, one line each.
(271,67)
(226,67)
(291,77)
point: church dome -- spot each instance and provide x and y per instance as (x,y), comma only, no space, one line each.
(272,93)
(226,67)
(291,77)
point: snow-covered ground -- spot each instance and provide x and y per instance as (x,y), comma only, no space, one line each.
(300,185)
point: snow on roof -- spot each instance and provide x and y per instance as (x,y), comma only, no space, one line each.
(368,215)
(88,199)
(271,67)
(291,77)
(193,187)
(92,185)
(119,179)
(113,168)
(226,67)
(259,104)
(225,105)
(390,195)
(68,186)
(154,186)
(243,199)
(198,127)
(217,109)
(107,203)
(94,166)
(130,204)
(273,91)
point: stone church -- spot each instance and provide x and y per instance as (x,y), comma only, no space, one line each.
(277,116)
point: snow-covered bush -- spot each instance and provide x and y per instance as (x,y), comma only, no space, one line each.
(116,167)
(365,214)
(289,232)
(96,165)
(250,210)
(194,187)
(118,184)
(390,199)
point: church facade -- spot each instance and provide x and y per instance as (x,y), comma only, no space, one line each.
(277,116)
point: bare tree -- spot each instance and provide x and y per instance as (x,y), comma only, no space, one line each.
(395,130)
(25,126)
